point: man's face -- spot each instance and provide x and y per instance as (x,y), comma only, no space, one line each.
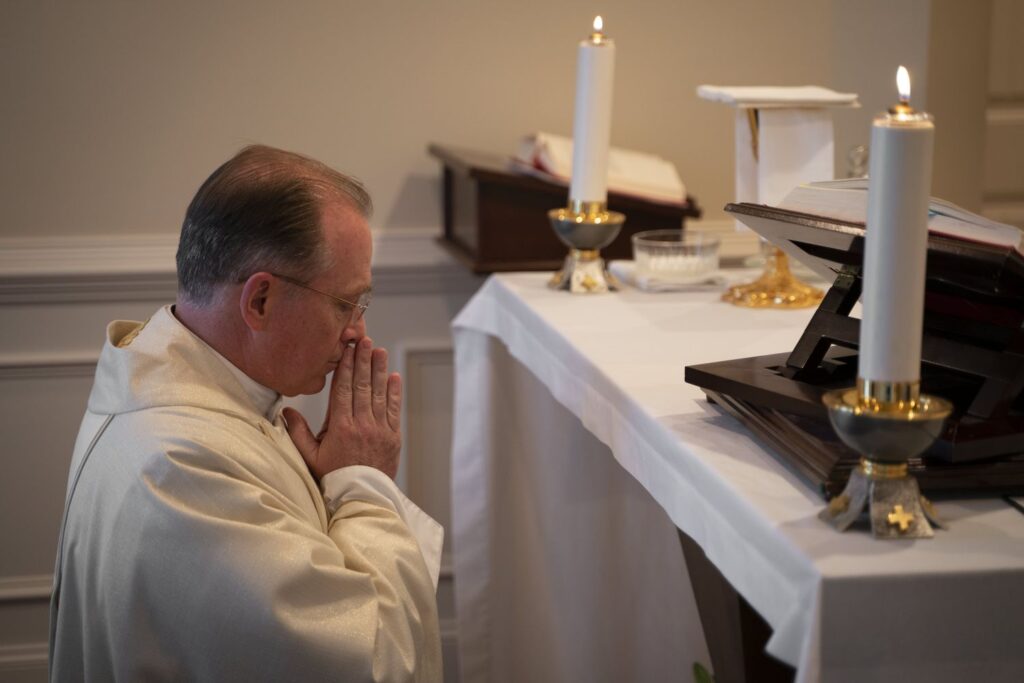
(312,330)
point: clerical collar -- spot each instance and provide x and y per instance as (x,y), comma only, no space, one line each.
(265,400)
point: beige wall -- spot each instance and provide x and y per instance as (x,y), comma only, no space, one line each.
(958,95)
(945,45)
(113,112)
(1004,154)
(871,38)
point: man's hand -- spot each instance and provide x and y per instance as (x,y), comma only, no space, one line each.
(362,426)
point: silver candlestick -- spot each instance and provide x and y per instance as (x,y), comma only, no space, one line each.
(586,228)
(887,423)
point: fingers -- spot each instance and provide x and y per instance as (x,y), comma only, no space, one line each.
(362,384)
(379,372)
(302,436)
(394,408)
(341,386)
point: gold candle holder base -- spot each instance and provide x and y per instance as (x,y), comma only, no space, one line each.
(585,227)
(887,423)
(776,288)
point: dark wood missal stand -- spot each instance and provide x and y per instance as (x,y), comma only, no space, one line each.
(496,219)
(972,354)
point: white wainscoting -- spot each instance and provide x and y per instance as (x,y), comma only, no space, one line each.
(56,297)
(427,367)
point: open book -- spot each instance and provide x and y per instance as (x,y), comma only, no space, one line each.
(634,173)
(847,200)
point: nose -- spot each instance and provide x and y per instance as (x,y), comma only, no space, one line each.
(354,331)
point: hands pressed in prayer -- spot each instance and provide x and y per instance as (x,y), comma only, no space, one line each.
(362,426)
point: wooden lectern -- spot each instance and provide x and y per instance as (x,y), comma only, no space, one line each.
(496,219)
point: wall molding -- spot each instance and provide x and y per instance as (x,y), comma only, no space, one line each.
(68,288)
(409,355)
(47,366)
(25,657)
(118,268)
(87,269)
(410,261)
(1006,114)
(25,587)
(113,268)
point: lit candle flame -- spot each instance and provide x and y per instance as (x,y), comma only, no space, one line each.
(903,84)
(598,24)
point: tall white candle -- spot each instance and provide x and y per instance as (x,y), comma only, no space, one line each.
(592,123)
(896,242)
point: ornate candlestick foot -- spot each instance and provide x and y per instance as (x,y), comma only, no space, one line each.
(584,271)
(776,288)
(585,227)
(894,502)
(887,431)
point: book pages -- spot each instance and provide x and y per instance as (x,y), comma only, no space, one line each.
(639,174)
(847,200)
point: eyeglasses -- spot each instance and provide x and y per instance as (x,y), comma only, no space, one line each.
(356,308)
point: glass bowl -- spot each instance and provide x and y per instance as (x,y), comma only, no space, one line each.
(675,255)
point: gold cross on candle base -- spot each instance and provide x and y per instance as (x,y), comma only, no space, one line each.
(900,518)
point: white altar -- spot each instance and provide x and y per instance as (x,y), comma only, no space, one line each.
(579,450)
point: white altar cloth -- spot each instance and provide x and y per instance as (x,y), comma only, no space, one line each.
(844,607)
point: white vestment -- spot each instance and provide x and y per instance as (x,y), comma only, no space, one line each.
(197,546)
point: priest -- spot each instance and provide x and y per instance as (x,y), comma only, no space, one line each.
(208,534)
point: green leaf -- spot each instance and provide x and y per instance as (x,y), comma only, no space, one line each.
(701,675)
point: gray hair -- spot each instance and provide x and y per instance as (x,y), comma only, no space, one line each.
(260,211)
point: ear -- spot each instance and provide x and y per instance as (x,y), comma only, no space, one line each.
(255,300)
